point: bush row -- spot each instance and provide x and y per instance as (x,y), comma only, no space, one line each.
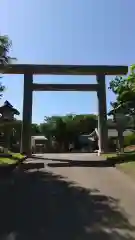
(129,140)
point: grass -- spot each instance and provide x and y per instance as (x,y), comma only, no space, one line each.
(127,156)
(109,155)
(6,160)
(124,162)
(17,155)
(128,168)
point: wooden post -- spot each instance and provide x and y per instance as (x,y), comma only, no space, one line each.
(27,115)
(102,119)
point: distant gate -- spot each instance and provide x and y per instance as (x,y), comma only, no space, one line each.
(29,70)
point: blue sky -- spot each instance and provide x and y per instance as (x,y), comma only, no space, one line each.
(66,32)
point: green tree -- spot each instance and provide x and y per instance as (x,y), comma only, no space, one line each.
(124,89)
(67,128)
(35,129)
(16,127)
(5,44)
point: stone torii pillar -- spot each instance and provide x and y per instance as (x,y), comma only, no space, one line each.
(27,114)
(102,117)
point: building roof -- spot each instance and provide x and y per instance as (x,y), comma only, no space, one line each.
(7,105)
(113,132)
(39,138)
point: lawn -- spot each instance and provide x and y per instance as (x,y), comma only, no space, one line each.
(8,160)
(125,157)
(128,168)
(17,155)
(124,162)
(109,155)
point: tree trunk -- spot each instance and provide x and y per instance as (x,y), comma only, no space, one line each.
(120,140)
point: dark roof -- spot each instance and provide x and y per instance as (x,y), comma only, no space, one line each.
(7,105)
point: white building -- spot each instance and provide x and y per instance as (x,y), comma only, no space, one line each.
(38,143)
(112,133)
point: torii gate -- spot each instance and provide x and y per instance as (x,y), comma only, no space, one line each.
(32,69)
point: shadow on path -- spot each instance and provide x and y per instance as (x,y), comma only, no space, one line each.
(41,205)
(76,163)
(98,162)
(57,162)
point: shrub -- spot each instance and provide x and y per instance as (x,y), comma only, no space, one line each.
(129,140)
(112,144)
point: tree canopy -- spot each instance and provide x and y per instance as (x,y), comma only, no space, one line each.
(67,128)
(5,44)
(124,88)
(73,123)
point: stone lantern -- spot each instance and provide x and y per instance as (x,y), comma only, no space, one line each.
(7,112)
(121,121)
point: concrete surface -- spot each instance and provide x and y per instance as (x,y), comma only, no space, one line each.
(68,199)
(70,156)
(114,190)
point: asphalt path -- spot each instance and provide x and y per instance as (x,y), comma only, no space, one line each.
(75,196)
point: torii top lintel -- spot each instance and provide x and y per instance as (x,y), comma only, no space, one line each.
(64,69)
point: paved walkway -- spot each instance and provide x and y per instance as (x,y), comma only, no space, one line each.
(69,201)
(70,156)
(103,197)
